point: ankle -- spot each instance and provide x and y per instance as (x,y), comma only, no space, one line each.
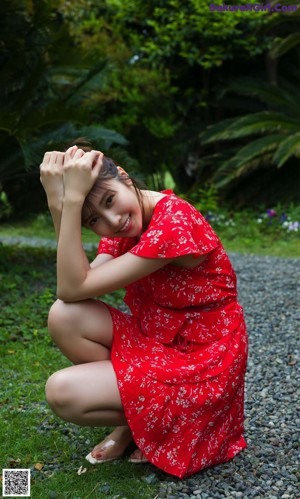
(122,433)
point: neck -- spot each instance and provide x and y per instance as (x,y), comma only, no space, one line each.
(149,199)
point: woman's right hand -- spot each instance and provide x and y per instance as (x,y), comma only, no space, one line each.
(51,176)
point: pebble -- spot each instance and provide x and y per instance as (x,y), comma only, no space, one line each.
(268,291)
(150,479)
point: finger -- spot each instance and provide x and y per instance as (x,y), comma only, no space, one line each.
(78,154)
(98,164)
(49,158)
(71,150)
(46,158)
(53,157)
(93,157)
(70,154)
(60,158)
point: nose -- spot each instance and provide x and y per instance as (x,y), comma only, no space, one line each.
(113,220)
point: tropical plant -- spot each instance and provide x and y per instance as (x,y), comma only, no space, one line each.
(167,58)
(47,89)
(273,132)
(277,131)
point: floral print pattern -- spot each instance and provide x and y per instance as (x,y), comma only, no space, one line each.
(180,356)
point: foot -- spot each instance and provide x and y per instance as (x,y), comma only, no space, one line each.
(112,447)
(137,457)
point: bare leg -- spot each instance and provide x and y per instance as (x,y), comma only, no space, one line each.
(83,331)
(87,394)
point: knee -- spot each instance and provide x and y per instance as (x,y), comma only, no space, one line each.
(58,394)
(58,318)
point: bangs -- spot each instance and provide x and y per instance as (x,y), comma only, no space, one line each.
(92,200)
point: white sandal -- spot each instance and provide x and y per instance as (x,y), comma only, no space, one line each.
(106,445)
(134,460)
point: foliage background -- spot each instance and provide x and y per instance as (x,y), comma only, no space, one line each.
(187,98)
(203,102)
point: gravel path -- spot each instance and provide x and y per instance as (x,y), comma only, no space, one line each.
(269,293)
(268,289)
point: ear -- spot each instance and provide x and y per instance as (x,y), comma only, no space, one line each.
(124,174)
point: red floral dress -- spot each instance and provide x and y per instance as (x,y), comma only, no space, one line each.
(180,358)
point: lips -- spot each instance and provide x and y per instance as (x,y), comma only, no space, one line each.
(126,225)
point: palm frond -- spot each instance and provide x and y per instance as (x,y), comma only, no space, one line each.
(229,170)
(274,96)
(256,123)
(288,148)
(248,158)
(258,147)
(61,137)
(285,45)
(103,136)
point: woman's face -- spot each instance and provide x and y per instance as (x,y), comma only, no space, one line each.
(116,211)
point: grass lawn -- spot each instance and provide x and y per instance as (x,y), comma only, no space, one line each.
(31,435)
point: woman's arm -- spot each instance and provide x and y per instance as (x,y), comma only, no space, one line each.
(51,176)
(100,259)
(74,280)
(76,283)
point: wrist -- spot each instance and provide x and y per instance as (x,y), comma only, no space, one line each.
(54,205)
(73,200)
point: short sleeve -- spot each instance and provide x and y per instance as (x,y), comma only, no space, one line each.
(116,246)
(176,229)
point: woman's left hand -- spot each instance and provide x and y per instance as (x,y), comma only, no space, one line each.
(80,172)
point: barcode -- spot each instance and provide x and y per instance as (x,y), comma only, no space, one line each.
(16,482)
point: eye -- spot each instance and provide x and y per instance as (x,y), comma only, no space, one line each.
(93,221)
(109,200)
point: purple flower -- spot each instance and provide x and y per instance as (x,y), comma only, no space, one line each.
(271,213)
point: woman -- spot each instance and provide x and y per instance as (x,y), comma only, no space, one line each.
(170,375)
